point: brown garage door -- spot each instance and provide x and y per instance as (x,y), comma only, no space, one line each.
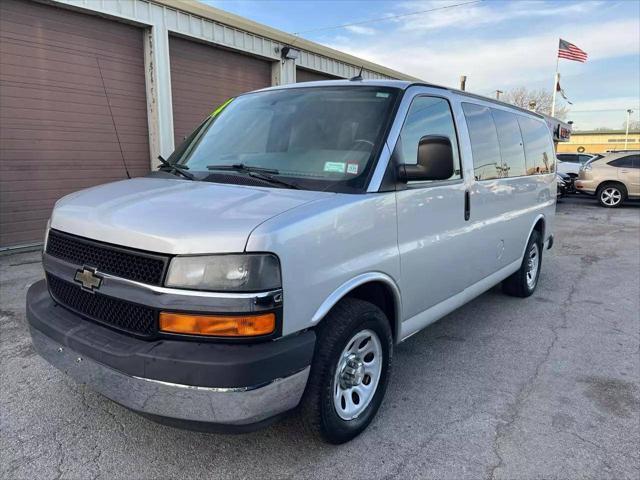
(203,77)
(56,133)
(303,75)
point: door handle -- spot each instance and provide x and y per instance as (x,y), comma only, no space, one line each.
(467,205)
(624,171)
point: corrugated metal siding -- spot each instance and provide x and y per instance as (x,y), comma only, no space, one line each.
(303,75)
(56,132)
(203,77)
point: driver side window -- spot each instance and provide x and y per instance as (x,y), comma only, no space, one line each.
(427,116)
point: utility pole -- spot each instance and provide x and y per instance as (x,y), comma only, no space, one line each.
(626,137)
(463,82)
(498,92)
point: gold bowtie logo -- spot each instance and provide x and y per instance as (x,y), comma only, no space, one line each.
(89,279)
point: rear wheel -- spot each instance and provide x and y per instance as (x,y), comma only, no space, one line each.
(349,372)
(524,282)
(611,195)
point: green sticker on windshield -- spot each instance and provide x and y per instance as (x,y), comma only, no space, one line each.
(336,167)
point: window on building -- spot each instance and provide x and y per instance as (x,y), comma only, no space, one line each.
(511,145)
(538,149)
(427,116)
(487,162)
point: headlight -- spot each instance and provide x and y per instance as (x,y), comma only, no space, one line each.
(228,273)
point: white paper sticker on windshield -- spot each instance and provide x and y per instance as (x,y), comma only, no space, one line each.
(352,168)
(337,167)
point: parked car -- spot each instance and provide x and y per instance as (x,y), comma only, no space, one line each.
(612,179)
(296,237)
(570,163)
(565,184)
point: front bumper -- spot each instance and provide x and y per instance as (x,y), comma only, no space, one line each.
(234,385)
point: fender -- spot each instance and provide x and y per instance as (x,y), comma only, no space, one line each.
(355,282)
(535,221)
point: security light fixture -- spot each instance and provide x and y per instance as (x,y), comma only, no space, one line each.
(289,53)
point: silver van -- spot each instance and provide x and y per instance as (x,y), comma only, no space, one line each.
(278,256)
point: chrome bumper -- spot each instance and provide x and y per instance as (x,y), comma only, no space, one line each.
(226,406)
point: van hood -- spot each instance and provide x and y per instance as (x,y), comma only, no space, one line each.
(174,216)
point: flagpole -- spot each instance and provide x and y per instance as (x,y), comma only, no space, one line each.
(556,79)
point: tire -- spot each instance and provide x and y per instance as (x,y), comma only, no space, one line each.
(611,195)
(524,282)
(326,387)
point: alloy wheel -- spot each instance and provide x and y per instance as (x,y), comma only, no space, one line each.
(611,196)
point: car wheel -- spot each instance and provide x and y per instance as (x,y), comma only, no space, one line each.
(611,195)
(349,372)
(524,282)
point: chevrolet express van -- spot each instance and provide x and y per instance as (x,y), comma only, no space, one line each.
(284,249)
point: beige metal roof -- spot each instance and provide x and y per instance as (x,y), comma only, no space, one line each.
(197,8)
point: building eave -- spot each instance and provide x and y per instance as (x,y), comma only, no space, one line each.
(206,11)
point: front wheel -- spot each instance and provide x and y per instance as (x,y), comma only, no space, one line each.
(524,282)
(349,372)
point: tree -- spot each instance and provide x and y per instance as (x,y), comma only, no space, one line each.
(522,97)
(634,125)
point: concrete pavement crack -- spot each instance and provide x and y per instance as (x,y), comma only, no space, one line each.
(528,386)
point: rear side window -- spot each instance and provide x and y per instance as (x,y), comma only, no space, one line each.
(630,161)
(487,163)
(510,140)
(537,146)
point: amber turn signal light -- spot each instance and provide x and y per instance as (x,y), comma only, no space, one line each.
(218,325)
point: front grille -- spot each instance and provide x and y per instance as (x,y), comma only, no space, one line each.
(121,262)
(110,311)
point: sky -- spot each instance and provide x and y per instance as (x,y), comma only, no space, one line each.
(498,44)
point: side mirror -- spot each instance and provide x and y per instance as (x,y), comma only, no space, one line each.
(435,160)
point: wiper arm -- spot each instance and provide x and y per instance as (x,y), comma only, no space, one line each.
(256,172)
(242,167)
(175,168)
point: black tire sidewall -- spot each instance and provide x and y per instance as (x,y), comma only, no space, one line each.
(334,428)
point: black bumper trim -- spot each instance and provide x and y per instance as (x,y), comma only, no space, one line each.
(203,364)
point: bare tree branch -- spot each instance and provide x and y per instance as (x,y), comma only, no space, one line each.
(522,97)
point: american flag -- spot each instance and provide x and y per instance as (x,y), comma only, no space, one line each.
(569,51)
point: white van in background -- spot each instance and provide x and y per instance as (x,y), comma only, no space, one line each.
(285,248)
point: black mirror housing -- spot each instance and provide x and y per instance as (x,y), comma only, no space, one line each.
(435,160)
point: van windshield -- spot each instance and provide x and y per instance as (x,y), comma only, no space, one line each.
(317,138)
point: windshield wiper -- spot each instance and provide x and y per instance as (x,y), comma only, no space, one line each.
(261,173)
(175,168)
(242,167)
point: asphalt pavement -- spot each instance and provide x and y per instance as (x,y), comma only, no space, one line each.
(544,387)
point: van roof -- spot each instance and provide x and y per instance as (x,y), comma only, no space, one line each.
(401,84)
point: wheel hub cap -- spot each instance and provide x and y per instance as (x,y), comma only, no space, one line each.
(353,372)
(357,374)
(532,265)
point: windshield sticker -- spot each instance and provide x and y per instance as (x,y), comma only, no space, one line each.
(337,167)
(352,168)
(382,95)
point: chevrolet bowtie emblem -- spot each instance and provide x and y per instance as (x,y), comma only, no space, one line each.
(89,279)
